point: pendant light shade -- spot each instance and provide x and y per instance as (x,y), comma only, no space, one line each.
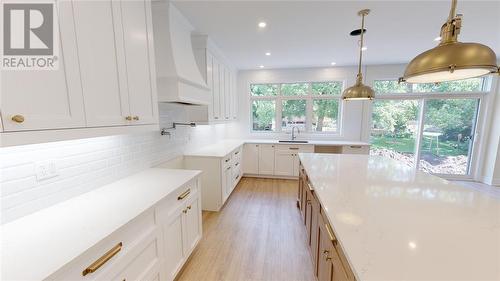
(359,91)
(451,60)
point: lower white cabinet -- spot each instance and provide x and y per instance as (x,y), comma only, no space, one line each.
(266,159)
(182,229)
(152,247)
(251,156)
(220,176)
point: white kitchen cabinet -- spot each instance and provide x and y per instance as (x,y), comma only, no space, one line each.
(220,78)
(251,158)
(221,173)
(46,99)
(104,84)
(216,90)
(139,60)
(227,94)
(227,182)
(284,163)
(181,220)
(266,159)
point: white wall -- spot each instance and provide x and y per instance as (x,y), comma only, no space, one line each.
(352,112)
(86,164)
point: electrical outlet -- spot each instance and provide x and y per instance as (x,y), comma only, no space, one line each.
(46,170)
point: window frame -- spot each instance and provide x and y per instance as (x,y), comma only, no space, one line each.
(309,97)
(423,98)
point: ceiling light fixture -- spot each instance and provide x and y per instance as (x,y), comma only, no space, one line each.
(359,91)
(268,54)
(437,38)
(451,60)
(333,63)
(262,24)
(364,48)
(261,66)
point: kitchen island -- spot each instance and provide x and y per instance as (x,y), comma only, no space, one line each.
(387,221)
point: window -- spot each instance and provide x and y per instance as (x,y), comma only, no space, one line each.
(263,112)
(430,126)
(311,107)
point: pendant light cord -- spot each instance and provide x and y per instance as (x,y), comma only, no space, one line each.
(452,10)
(361,47)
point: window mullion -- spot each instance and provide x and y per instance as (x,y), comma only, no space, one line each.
(418,140)
(278,106)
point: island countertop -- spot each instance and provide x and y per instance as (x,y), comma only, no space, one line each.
(395,223)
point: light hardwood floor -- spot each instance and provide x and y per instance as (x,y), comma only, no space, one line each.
(258,235)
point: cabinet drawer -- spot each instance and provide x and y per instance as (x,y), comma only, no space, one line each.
(226,161)
(168,205)
(144,264)
(131,236)
(295,147)
(355,149)
(237,153)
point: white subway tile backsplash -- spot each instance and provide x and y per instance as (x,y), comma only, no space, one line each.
(86,164)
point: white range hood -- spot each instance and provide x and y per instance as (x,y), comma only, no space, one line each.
(178,76)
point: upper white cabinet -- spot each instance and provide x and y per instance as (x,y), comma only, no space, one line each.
(46,99)
(139,59)
(220,78)
(106,76)
(114,48)
(106,99)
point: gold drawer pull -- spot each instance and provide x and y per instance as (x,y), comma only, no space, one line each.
(330,233)
(184,194)
(136,118)
(355,146)
(293,148)
(128,118)
(102,260)
(18,118)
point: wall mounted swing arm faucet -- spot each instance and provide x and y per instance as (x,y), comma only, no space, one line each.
(165,132)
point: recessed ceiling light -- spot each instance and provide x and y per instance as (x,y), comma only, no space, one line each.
(268,54)
(364,48)
(262,24)
(437,38)
(333,63)
(261,66)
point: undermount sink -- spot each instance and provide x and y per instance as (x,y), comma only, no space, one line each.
(294,141)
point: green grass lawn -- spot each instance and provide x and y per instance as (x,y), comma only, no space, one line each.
(407,145)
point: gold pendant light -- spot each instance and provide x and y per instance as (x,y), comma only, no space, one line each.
(451,60)
(359,91)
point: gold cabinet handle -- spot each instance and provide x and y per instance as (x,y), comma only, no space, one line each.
(102,260)
(189,207)
(185,211)
(330,233)
(325,253)
(293,148)
(136,118)
(128,118)
(308,202)
(18,118)
(184,194)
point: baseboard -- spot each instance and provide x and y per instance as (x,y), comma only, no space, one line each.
(495,182)
(270,177)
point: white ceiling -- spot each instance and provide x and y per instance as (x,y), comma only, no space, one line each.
(310,33)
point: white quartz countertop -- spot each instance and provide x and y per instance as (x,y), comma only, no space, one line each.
(35,246)
(223,148)
(313,142)
(397,224)
(219,149)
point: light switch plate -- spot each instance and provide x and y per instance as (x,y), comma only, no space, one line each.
(46,170)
